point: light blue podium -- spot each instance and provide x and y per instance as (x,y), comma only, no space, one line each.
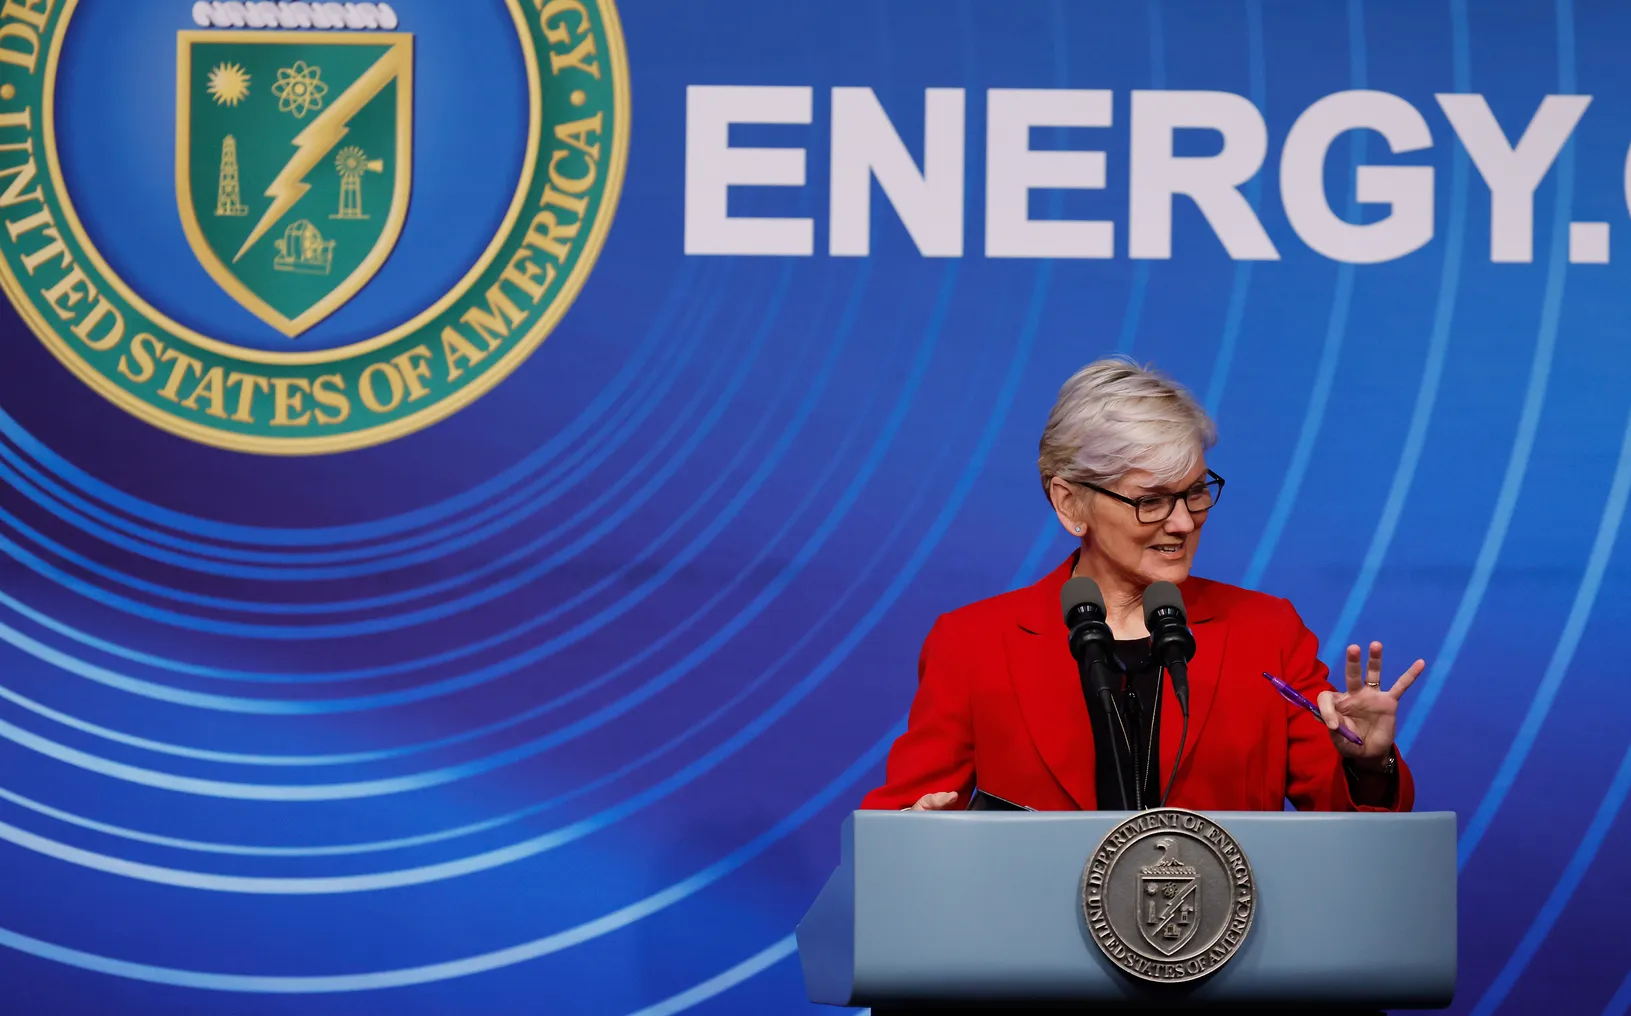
(985,907)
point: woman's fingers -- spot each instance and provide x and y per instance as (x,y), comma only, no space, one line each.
(1406,679)
(1373,671)
(1328,708)
(936,802)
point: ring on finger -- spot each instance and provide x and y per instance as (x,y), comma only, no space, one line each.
(1374,684)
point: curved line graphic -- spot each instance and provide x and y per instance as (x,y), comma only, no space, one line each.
(814,387)
(649,487)
(1136,293)
(811,546)
(554,481)
(1031,563)
(600,717)
(1621,1001)
(1540,704)
(495,960)
(1336,329)
(903,577)
(862,576)
(1438,345)
(680,290)
(1562,891)
(179,750)
(542,843)
(238,704)
(549,841)
(341,791)
(724,981)
(1234,318)
(545,842)
(698,400)
(252,705)
(1534,400)
(521,504)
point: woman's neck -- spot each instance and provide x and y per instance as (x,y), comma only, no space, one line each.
(1123,598)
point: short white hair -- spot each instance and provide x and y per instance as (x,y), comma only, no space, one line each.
(1113,417)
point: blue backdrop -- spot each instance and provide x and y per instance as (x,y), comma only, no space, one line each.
(557,705)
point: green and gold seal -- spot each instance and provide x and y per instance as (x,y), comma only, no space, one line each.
(294,165)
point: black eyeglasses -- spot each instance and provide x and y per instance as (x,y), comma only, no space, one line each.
(1152,508)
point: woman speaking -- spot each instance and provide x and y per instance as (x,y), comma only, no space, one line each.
(1000,703)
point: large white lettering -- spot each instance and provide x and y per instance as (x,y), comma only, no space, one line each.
(1407,190)
(712,167)
(930,198)
(1013,169)
(865,145)
(1513,173)
(1212,181)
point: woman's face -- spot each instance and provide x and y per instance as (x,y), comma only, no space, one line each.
(1140,552)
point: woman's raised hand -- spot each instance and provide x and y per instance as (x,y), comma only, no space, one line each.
(1366,708)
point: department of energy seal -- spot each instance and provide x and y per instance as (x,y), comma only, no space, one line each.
(1168,895)
(298,228)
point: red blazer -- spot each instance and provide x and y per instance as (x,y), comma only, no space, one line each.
(999,703)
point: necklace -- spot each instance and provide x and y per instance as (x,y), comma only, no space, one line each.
(1149,750)
(1137,652)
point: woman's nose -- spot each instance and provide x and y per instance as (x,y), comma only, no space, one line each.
(1180,521)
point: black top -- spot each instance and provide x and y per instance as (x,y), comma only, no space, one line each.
(1140,704)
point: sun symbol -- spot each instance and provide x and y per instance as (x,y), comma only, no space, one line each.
(299,89)
(229,84)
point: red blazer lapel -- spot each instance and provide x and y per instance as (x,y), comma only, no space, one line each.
(1205,673)
(1049,689)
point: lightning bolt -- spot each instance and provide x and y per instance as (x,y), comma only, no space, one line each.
(318,139)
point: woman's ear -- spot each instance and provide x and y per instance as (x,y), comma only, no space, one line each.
(1068,506)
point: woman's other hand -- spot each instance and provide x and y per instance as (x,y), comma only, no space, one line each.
(1366,708)
(935,802)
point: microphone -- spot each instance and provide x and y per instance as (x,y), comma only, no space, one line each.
(1171,642)
(1093,645)
(1090,639)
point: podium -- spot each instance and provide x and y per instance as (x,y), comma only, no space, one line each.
(986,908)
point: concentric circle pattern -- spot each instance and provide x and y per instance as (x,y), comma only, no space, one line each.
(557,705)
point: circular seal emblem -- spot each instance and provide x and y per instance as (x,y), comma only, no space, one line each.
(1168,895)
(300,228)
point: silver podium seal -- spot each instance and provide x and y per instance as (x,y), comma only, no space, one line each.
(1168,895)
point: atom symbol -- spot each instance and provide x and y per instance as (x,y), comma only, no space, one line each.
(299,89)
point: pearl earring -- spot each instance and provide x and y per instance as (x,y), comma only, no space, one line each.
(1078,529)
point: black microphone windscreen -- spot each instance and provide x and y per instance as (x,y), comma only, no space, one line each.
(1162,594)
(1078,591)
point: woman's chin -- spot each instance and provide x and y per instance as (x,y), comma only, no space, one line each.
(1174,570)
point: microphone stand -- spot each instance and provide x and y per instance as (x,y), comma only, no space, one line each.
(1094,663)
(1172,644)
(1107,702)
(1179,670)
(1093,645)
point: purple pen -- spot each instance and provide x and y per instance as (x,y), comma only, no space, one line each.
(1297,698)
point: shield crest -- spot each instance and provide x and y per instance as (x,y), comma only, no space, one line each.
(293,163)
(1169,900)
